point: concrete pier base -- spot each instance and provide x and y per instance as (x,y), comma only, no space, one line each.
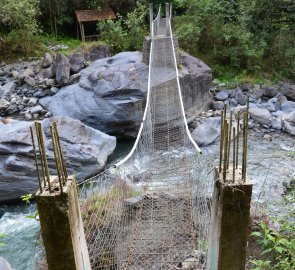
(62,228)
(229,222)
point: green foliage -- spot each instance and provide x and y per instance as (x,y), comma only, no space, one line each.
(126,33)
(19,28)
(27,198)
(2,244)
(19,14)
(56,13)
(253,36)
(278,244)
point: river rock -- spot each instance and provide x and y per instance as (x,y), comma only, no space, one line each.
(262,116)
(98,52)
(29,81)
(62,69)
(74,78)
(85,151)
(240,97)
(222,95)
(288,127)
(47,60)
(76,62)
(276,123)
(269,106)
(111,93)
(48,73)
(4,104)
(7,88)
(269,91)
(36,110)
(32,102)
(288,107)
(288,90)
(28,72)
(217,105)
(208,132)
(4,265)
(233,103)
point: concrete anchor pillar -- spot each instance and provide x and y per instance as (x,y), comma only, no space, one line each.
(229,221)
(62,227)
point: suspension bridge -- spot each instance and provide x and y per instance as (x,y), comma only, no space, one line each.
(151,210)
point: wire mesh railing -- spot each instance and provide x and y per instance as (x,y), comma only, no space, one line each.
(151,210)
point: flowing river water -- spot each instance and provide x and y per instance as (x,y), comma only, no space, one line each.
(270,165)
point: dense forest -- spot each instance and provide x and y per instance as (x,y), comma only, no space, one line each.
(233,36)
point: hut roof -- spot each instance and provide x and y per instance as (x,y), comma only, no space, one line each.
(94,15)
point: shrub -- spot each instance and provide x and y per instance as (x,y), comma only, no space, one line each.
(18,28)
(125,33)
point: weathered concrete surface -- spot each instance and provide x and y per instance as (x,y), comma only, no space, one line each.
(85,150)
(111,93)
(62,227)
(229,223)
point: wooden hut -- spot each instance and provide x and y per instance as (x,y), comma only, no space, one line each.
(93,15)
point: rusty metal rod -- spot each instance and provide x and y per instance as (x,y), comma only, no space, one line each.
(246,140)
(244,146)
(56,157)
(40,154)
(44,155)
(238,141)
(229,136)
(36,159)
(221,141)
(60,152)
(61,170)
(225,152)
(234,154)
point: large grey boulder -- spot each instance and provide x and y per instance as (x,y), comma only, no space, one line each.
(222,95)
(288,107)
(111,93)
(269,91)
(4,265)
(98,52)
(261,115)
(76,62)
(240,97)
(47,60)
(208,132)
(85,150)
(288,90)
(7,88)
(61,69)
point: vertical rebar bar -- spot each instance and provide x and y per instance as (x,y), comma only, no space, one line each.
(221,142)
(60,153)
(244,146)
(39,125)
(238,140)
(234,154)
(246,141)
(229,135)
(40,154)
(53,138)
(36,159)
(225,151)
